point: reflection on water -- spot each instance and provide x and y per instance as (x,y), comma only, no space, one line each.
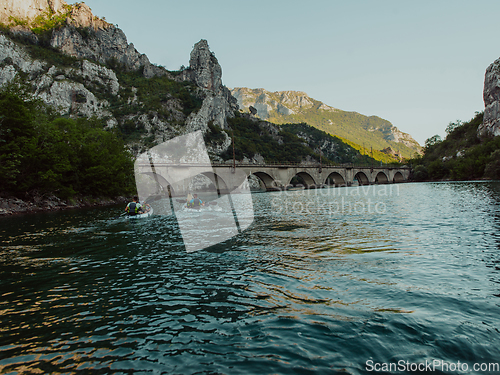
(321,282)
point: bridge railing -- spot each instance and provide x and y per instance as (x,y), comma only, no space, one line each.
(308,165)
(281,165)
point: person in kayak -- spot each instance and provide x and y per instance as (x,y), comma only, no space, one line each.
(195,202)
(135,208)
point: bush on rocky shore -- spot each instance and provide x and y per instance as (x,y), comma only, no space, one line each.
(462,155)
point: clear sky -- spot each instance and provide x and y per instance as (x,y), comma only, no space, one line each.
(419,64)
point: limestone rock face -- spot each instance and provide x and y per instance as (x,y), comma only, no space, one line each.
(280,102)
(84,35)
(81,16)
(216,107)
(13,58)
(28,9)
(59,87)
(206,68)
(491,97)
(103,44)
(76,90)
(218,104)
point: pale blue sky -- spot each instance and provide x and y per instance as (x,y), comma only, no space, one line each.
(418,64)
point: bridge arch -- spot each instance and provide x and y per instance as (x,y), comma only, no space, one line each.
(217,181)
(335,179)
(362,178)
(156,184)
(306,177)
(267,180)
(381,178)
(398,177)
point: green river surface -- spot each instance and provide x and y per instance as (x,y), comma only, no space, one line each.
(358,280)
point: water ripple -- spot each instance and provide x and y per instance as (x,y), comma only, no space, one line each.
(299,292)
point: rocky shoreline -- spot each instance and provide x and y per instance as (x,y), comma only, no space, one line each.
(14,206)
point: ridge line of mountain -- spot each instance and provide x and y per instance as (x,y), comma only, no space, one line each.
(296,106)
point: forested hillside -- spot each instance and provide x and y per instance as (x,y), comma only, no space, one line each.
(367,134)
(261,141)
(462,155)
(42,153)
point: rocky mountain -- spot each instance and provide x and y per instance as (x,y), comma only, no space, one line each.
(491,97)
(296,107)
(75,31)
(84,66)
(218,104)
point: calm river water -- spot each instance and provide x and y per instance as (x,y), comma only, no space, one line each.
(347,280)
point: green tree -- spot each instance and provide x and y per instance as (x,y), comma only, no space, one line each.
(492,169)
(42,153)
(432,141)
(452,126)
(461,155)
(17,133)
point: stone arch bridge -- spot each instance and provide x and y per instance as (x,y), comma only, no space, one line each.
(228,177)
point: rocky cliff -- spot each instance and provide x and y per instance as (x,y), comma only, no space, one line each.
(76,32)
(106,76)
(28,10)
(218,103)
(84,66)
(65,88)
(295,106)
(491,97)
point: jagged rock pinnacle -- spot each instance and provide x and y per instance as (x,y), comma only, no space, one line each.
(491,97)
(206,68)
(205,71)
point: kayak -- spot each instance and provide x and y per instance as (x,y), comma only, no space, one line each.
(209,206)
(197,208)
(141,216)
(205,205)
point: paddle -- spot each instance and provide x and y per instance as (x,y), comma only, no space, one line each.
(116,217)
